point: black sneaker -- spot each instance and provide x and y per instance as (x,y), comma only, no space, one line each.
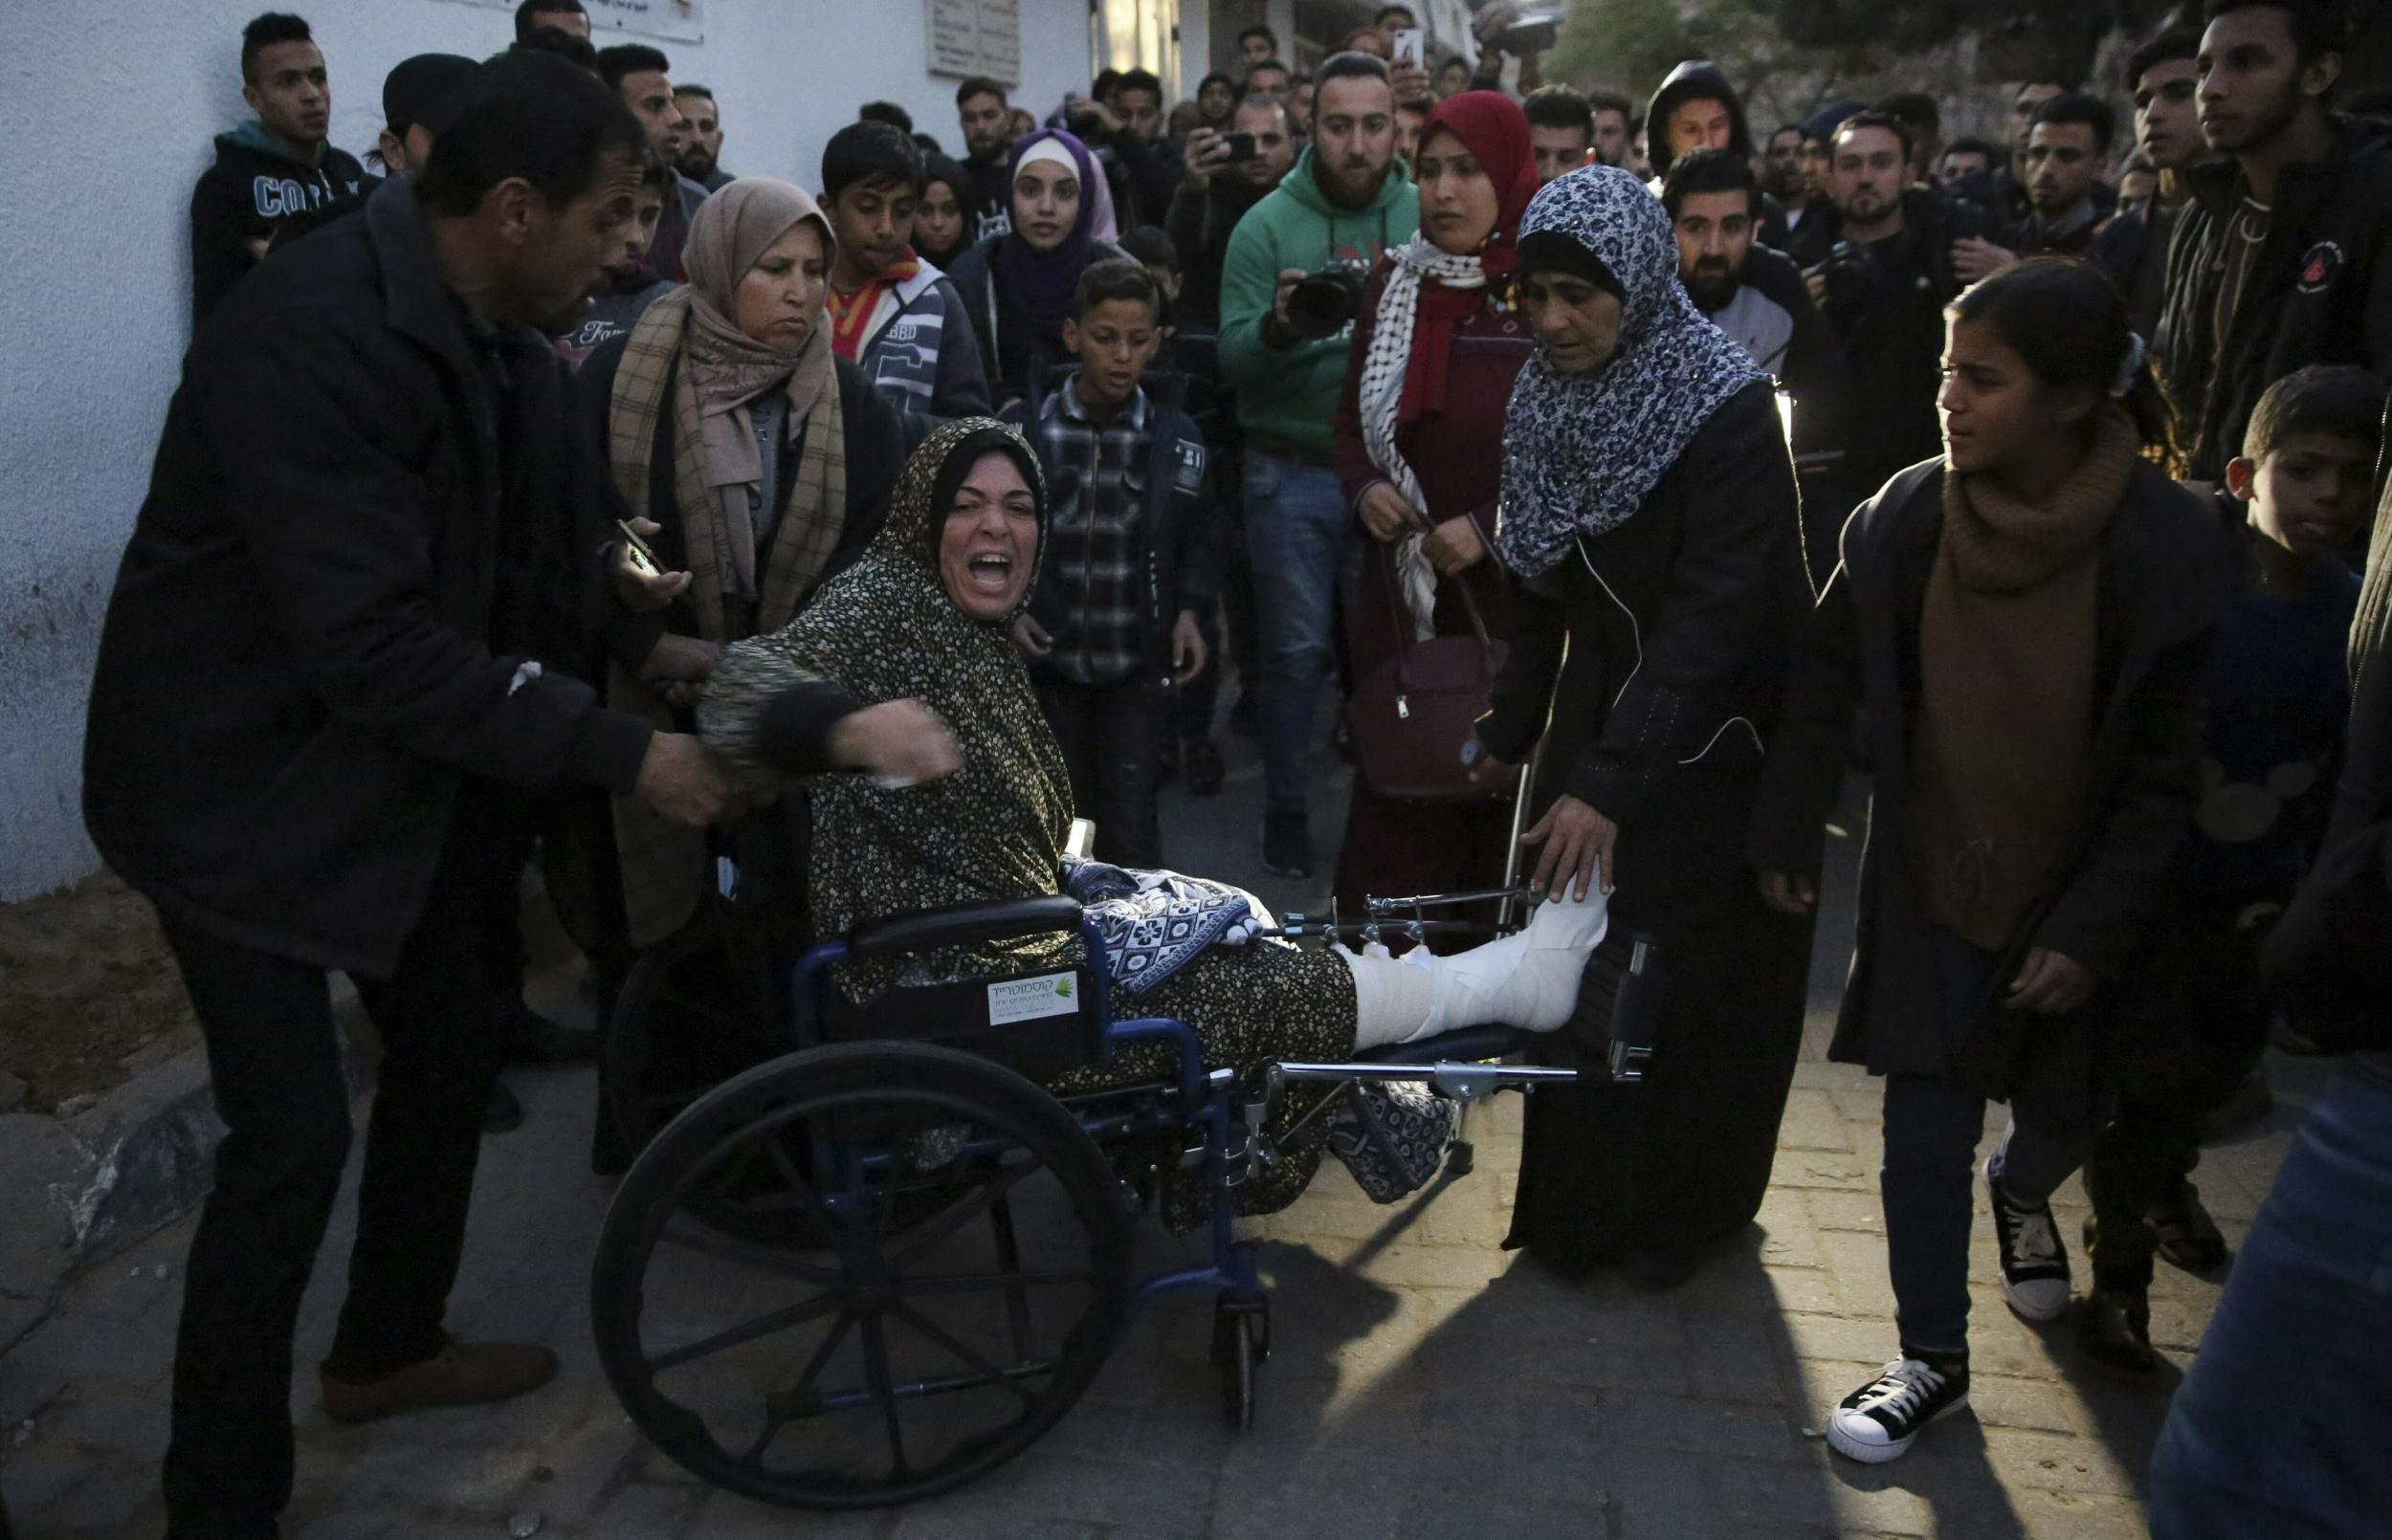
(1876,1423)
(1205,770)
(2188,1235)
(1287,844)
(2114,1328)
(2034,1263)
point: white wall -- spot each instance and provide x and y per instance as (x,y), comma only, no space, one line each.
(110,107)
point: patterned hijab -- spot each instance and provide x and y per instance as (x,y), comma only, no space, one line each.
(1581,450)
(885,629)
(1428,292)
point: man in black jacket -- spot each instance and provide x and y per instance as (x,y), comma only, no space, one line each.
(986,118)
(2284,257)
(339,655)
(1888,273)
(1696,109)
(272,167)
(1759,297)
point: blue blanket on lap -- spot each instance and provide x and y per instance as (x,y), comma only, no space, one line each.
(1155,922)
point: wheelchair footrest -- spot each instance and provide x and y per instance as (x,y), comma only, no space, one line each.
(1460,1080)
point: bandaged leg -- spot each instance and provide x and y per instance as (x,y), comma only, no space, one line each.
(1528,980)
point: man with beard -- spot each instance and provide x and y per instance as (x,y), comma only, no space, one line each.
(2284,255)
(269,169)
(1615,118)
(2163,81)
(1755,296)
(641,76)
(336,675)
(701,138)
(1344,204)
(987,121)
(1257,44)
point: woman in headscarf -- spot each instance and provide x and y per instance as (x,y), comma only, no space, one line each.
(901,700)
(1017,286)
(942,220)
(1419,449)
(1651,519)
(762,461)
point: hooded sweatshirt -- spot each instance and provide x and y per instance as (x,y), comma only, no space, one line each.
(1289,395)
(1694,79)
(254,186)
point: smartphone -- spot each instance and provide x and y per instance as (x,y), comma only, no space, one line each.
(1411,45)
(643,560)
(1241,148)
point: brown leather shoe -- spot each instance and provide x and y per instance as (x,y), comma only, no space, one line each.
(462,1373)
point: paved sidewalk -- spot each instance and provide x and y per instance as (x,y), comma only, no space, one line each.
(1426,1383)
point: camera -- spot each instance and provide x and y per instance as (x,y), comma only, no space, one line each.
(1323,303)
(1849,275)
(1535,31)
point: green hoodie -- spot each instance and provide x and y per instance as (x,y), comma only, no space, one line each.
(1291,394)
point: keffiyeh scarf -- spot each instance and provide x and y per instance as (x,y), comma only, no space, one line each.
(1381,399)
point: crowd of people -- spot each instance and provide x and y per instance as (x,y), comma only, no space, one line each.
(560,494)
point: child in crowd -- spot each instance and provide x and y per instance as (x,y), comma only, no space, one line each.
(1129,557)
(2275,697)
(892,314)
(631,283)
(2021,628)
(1186,372)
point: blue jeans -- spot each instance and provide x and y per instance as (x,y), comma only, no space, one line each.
(2281,1425)
(1305,547)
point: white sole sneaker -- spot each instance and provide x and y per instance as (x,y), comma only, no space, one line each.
(1870,1443)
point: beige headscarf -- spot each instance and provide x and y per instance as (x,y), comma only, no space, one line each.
(727,368)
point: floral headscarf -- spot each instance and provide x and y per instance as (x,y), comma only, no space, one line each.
(1581,450)
(886,630)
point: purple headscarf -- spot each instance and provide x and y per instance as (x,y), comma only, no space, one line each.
(1041,282)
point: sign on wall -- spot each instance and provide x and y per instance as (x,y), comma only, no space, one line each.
(977,37)
(679,21)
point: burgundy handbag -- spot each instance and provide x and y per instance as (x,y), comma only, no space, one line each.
(1412,716)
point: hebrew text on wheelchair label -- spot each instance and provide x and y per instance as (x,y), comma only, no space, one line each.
(1026,1000)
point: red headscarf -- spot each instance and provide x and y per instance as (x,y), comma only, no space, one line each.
(1491,127)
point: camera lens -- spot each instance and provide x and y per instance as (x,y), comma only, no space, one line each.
(1322,303)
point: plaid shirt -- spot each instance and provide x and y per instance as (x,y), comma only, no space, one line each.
(1091,567)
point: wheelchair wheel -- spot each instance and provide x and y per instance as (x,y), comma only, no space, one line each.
(1241,1344)
(871,1365)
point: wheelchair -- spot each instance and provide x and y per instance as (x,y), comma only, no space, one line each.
(880,1258)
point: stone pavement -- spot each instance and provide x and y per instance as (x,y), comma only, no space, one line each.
(1424,1383)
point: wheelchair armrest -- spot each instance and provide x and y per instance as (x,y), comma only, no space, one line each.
(960,924)
(1464,1046)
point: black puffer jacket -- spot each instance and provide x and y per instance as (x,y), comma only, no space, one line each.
(2320,293)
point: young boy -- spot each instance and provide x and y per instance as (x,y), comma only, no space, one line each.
(892,314)
(1188,364)
(2274,699)
(629,284)
(1129,559)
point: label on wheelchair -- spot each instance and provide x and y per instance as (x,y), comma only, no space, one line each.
(1026,1000)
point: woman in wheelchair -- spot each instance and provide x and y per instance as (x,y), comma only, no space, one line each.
(900,698)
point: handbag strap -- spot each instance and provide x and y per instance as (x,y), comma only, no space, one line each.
(1403,637)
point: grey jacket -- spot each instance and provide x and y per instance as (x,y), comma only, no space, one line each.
(922,358)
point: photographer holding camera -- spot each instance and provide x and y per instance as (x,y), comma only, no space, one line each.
(1289,289)
(1888,272)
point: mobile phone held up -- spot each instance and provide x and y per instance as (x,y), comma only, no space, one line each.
(1242,148)
(636,553)
(1411,45)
